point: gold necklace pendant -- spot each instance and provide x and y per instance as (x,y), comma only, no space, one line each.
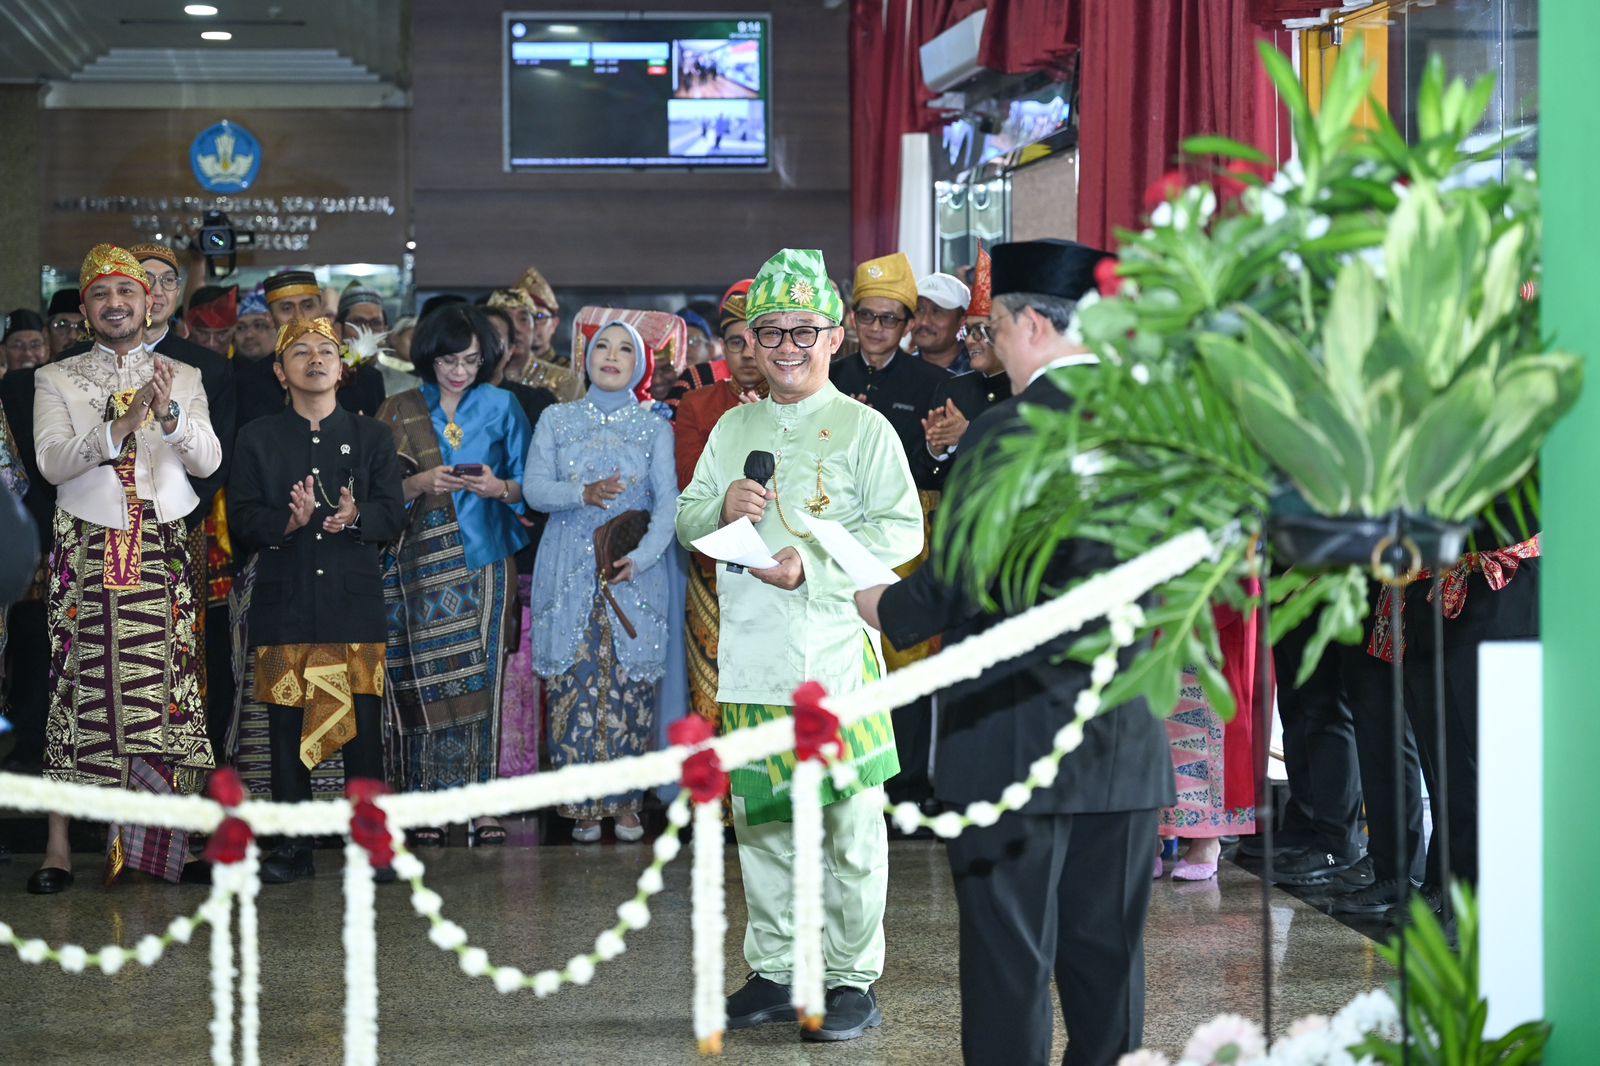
(453,434)
(818,503)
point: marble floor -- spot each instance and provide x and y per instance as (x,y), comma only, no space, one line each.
(537,906)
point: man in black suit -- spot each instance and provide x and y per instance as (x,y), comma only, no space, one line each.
(1063,885)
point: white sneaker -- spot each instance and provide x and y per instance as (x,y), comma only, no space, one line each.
(629,834)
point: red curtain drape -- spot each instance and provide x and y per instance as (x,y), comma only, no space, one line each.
(1021,36)
(1152,74)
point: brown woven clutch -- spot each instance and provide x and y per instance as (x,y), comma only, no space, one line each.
(612,541)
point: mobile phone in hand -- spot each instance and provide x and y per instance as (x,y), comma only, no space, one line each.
(468,470)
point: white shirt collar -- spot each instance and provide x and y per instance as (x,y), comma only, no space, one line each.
(152,344)
(1077,359)
(101,347)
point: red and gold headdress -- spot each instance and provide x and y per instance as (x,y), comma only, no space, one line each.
(538,289)
(107,260)
(982,286)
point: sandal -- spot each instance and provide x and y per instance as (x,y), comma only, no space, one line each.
(487,836)
(425,836)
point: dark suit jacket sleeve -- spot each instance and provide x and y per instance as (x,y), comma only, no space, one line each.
(383,512)
(255,519)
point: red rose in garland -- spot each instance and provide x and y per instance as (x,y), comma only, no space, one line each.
(815,728)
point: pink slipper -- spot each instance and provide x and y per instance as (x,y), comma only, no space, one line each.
(1194,871)
(1159,870)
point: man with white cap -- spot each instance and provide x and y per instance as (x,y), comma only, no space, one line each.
(942,301)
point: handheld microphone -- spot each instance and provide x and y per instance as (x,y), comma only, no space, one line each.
(758,467)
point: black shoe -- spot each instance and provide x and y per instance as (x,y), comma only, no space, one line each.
(851,1012)
(287,862)
(384,875)
(759,1002)
(197,872)
(1354,879)
(48,880)
(1376,898)
(1310,866)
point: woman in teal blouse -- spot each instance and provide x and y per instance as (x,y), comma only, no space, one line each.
(462,444)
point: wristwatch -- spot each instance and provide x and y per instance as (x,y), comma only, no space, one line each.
(173,411)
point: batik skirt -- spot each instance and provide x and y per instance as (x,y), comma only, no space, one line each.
(705,620)
(127,708)
(1196,736)
(599,713)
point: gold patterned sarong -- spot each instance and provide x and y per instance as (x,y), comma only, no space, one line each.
(324,680)
(894,658)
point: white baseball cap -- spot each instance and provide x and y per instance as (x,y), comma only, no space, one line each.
(946,290)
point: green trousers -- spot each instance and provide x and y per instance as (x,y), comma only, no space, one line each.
(855,887)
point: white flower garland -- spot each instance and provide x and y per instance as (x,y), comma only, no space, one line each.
(805,792)
(248,888)
(475,962)
(360,959)
(1315,1040)
(574,784)
(1125,623)
(219,914)
(709,928)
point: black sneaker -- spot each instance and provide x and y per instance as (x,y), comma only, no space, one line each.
(1376,898)
(1354,879)
(851,1012)
(1310,866)
(759,1002)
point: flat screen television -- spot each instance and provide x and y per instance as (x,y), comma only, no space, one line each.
(630,91)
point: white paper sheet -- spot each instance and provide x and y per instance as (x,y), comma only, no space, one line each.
(863,568)
(737,543)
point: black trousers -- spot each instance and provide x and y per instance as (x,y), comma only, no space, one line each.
(1062,894)
(1451,771)
(913,740)
(28,678)
(363,756)
(1319,747)
(220,685)
(1370,688)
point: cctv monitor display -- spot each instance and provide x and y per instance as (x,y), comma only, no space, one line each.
(615,91)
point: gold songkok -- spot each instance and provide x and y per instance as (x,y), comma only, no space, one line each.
(538,289)
(290,332)
(512,300)
(142,252)
(890,277)
(107,260)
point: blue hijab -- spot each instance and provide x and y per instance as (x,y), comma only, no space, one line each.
(609,400)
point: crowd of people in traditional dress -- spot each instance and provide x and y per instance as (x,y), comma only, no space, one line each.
(283,531)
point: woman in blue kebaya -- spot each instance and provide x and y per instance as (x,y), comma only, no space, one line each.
(451,587)
(591,461)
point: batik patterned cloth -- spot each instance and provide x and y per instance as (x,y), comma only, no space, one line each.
(704,620)
(599,713)
(893,657)
(521,709)
(764,785)
(126,707)
(1196,735)
(449,625)
(323,680)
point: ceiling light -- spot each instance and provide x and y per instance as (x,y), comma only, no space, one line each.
(217,35)
(199,10)
(411,246)
(561,27)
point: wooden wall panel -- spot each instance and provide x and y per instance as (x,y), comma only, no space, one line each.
(145,153)
(477,225)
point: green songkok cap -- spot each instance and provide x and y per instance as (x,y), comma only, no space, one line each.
(796,279)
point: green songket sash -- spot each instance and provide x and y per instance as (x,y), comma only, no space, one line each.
(764,785)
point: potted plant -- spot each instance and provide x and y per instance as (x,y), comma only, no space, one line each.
(1338,353)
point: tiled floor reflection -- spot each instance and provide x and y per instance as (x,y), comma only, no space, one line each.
(534,907)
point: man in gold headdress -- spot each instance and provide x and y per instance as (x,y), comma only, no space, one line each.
(529,325)
(546,317)
(120,431)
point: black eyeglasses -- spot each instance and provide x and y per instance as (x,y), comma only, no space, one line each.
(166,281)
(803,336)
(980,332)
(887,320)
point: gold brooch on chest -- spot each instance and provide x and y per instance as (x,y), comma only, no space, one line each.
(453,434)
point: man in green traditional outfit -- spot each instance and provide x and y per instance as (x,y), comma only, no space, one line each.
(796,622)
